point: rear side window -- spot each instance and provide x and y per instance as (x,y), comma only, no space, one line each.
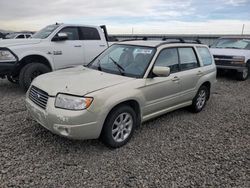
(205,55)
(89,33)
(188,58)
(72,33)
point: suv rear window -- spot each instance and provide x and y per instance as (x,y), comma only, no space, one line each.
(89,33)
(188,58)
(205,55)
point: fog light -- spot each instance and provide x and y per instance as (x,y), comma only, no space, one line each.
(62,130)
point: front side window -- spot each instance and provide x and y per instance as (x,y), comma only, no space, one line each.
(45,32)
(126,60)
(89,33)
(233,43)
(168,58)
(188,58)
(72,33)
(20,37)
(205,55)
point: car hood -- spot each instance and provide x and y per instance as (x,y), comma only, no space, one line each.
(228,51)
(16,42)
(77,81)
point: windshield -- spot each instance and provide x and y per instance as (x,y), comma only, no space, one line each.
(126,60)
(232,43)
(45,32)
(11,36)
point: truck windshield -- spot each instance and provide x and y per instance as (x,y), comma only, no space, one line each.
(45,32)
(125,60)
(232,43)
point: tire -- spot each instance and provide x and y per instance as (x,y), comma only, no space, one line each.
(12,79)
(200,99)
(242,76)
(29,72)
(113,124)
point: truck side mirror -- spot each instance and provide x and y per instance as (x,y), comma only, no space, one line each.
(60,37)
(161,71)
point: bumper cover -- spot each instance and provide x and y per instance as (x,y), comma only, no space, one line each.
(78,125)
(8,68)
(237,68)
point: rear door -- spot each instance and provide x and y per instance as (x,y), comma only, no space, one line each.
(93,42)
(190,74)
(68,53)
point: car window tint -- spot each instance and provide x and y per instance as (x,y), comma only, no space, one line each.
(205,55)
(20,37)
(168,58)
(89,33)
(28,36)
(188,58)
(72,33)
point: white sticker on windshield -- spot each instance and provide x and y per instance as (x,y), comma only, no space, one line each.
(143,51)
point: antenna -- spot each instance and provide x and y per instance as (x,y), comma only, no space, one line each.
(243,27)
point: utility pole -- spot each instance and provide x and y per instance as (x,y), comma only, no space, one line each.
(243,27)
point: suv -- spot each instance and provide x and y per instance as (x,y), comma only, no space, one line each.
(129,83)
(55,47)
(233,53)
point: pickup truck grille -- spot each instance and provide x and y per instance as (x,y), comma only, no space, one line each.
(38,96)
(224,60)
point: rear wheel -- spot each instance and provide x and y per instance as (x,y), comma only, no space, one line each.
(200,100)
(119,127)
(29,72)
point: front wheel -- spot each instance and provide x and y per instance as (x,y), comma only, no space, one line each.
(200,100)
(119,127)
(244,74)
(29,72)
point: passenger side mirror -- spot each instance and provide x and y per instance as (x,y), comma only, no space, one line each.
(60,37)
(161,71)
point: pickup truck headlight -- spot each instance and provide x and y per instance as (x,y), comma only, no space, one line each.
(6,56)
(238,60)
(70,102)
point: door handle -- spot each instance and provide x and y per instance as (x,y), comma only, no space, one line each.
(102,45)
(200,73)
(78,46)
(175,79)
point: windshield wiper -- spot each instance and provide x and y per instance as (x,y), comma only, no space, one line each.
(120,68)
(233,47)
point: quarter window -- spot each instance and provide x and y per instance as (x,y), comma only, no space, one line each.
(205,55)
(20,37)
(188,58)
(72,33)
(89,33)
(168,58)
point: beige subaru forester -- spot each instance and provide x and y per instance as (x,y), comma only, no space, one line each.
(129,83)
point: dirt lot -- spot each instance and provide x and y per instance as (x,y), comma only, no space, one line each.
(180,149)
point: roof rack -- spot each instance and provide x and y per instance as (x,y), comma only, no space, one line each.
(134,39)
(180,40)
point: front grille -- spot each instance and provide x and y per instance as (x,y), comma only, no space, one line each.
(223,60)
(38,96)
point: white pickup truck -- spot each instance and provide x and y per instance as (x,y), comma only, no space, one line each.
(55,47)
(233,53)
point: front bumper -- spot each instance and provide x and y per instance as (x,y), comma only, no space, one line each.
(7,68)
(71,124)
(228,67)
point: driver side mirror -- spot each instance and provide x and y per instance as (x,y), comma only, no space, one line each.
(60,37)
(161,71)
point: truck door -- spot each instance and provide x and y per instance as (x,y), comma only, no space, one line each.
(68,53)
(93,42)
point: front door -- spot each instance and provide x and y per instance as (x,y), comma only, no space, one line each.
(68,53)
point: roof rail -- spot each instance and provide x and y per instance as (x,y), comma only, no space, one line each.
(134,39)
(181,40)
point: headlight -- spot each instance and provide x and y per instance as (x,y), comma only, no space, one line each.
(72,102)
(238,60)
(6,56)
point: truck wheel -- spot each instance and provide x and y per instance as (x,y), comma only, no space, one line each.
(12,79)
(29,72)
(119,127)
(243,75)
(200,99)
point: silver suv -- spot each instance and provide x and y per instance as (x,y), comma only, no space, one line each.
(129,83)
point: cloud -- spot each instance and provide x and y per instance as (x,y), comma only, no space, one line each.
(165,15)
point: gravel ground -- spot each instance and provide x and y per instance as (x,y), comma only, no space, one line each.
(180,149)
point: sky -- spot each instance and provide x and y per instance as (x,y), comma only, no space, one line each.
(131,16)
